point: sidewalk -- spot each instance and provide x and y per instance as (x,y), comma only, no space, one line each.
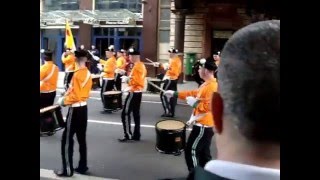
(187,85)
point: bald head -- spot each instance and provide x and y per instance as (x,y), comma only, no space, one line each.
(249,81)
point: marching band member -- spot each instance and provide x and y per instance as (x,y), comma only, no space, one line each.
(132,104)
(68,59)
(77,117)
(197,151)
(173,70)
(109,67)
(216,57)
(49,73)
(121,69)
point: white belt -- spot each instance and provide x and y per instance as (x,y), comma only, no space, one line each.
(108,78)
(201,125)
(79,104)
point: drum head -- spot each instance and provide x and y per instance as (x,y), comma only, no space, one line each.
(170,125)
(49,108)
(111,92)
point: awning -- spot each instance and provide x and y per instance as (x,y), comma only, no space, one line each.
(96,17)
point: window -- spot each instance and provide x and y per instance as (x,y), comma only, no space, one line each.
(165,2)
(131,5)
(164,36)
(52,5)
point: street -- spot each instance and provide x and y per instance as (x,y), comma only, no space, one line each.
(107,158)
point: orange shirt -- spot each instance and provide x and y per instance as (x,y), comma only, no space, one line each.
(49,73)
(80,88)
(69,62)
(174,69)
(110,66)
(121,63)
(137,77)
(204,93)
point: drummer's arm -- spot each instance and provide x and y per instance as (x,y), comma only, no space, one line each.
(203,105)
(73,94)
(184,94)
(43,72)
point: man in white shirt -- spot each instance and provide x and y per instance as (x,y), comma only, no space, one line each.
(246,108)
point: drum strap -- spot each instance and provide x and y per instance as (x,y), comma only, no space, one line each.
(49,76)
(86,80)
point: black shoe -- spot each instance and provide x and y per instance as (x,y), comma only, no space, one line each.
(124,139)
(81,170)
(170,115)
(136,138)
(62,174)
(164,115)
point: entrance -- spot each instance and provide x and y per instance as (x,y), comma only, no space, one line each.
(219,39)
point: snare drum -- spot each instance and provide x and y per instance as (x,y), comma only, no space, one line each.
(95,81)
(112,100)
(155,81)
(51,119)
(171,136)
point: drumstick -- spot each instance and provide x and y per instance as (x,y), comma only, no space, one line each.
(151,64)
(149,60)
(48,108)
(157,87)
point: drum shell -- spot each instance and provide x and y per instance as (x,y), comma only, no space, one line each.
(51,120)
(112,101)
(170,141)
(96,83)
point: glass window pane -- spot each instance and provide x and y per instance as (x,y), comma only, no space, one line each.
(165,14)
(164,36)
(165,24)
(165,2)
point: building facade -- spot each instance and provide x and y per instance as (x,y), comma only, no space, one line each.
(198,26)
(93,22)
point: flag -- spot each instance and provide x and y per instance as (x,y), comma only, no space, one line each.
(69,41)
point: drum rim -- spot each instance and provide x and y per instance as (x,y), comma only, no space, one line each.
(184,127)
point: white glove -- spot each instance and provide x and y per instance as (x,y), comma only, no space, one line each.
(191,100)
(166,66)
(156,64)
(127,89)
(99,66)
(102,74)
(96,58)
(190,122)
(117,71)
(122,72)
(125,79)
(169,93)
(61,101)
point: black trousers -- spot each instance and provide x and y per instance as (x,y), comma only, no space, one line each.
(107,85)
(197,151)
(67,80)
(132,105)
(118,82)
(169,105)
(76,123)
(47,99)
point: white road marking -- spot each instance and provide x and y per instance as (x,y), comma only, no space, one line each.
(45,173)
(120,124)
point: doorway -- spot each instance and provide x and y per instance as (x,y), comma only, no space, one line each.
(219,39)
